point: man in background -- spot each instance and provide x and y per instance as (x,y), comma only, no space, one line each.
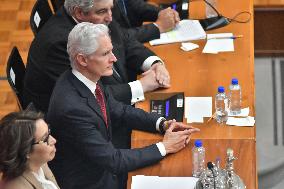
(131,14)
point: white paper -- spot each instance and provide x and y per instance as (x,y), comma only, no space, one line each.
(197,107)
(214,46)
(244,113)
(241,122)
(194,119)
(186,30)
(37,19)
(189,46)
(149,182)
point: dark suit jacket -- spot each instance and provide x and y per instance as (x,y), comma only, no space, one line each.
(138,12)
(48,58)
(85,156)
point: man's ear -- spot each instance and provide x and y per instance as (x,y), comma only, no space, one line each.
(81,60)
(79,14)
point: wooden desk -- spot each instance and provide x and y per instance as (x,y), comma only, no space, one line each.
(198,74)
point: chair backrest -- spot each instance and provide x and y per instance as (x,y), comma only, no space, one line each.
(41,12)
(15,74)
(56,4)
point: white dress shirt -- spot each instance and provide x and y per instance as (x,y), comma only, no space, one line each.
(46,184)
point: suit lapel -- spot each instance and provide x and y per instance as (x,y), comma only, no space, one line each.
(48,174)
(28,175)
(121,14)
(119,52)
(86,93)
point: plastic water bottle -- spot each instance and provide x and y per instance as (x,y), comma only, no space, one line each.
(221,105)
(210,12)
(198,158)
(235,97)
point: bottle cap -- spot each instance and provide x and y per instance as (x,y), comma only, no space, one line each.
(198,143)
(221,89)
(235,81)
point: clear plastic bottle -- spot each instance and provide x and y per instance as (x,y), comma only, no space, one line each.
(221,105)
(198,158)
(210,12)
(235,97)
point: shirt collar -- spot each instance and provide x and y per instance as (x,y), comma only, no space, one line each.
(90,84)
(77,22)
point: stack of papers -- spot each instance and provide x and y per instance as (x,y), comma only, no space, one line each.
(146,182)
(220,42)
(242,119)
(186,30)
(196,108)
(241,122)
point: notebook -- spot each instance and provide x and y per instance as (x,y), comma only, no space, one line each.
(186,30)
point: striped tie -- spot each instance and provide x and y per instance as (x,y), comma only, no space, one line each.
(101,101)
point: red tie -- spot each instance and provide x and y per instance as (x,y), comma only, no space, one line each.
(101,102)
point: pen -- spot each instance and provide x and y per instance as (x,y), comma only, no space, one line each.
(229,37)
(213,115)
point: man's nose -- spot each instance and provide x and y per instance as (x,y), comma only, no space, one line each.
(113,58)
(109,16)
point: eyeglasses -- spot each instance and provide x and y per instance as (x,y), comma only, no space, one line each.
(45,140)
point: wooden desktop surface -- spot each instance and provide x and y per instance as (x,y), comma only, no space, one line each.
(198,74)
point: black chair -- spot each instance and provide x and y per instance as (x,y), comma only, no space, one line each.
(41,12)
(56,4)
(15,74)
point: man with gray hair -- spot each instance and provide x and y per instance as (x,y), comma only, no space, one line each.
(81,114)
(48,58)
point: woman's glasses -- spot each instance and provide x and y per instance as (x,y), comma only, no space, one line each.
(45,140)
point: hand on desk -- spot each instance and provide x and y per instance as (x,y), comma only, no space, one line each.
(167,19)
(162,75)
(148,81)
(177,136)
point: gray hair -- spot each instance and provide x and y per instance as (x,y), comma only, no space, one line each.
(85,5)
(84,39)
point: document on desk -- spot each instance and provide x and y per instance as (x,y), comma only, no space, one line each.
(186,30)
(146,182)
(241,122)
(219,43)
(196,108)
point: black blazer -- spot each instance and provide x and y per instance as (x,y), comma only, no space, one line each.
(48,58)
(85,156)
(138,12)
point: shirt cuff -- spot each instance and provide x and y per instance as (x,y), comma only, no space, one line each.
(162,148)
(136,91)
(149,61)
(158,123)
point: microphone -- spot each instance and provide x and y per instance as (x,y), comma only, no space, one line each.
(210,166)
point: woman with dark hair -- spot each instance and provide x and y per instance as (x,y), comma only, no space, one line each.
(26,147)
